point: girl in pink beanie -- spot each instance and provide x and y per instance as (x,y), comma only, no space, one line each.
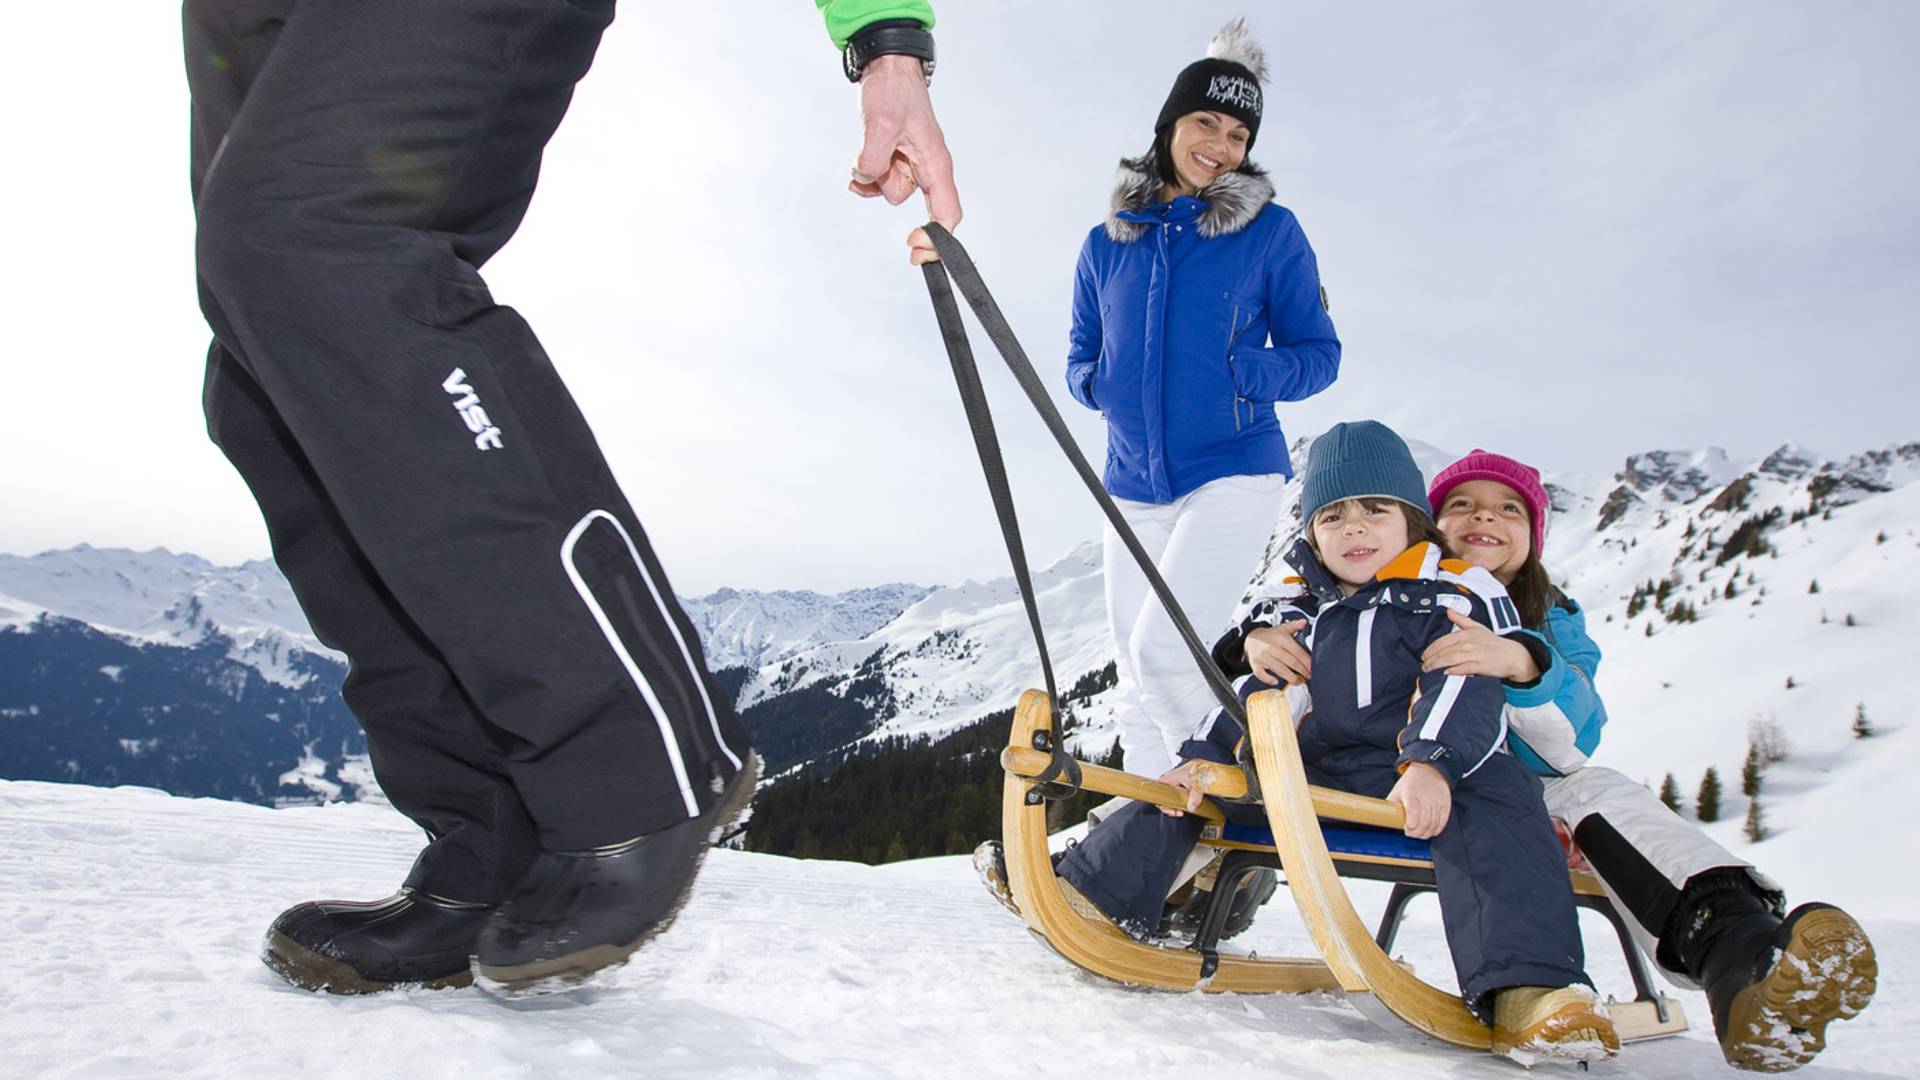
(1709,919)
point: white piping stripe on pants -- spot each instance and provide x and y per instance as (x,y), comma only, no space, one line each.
(686,654)
(667,736)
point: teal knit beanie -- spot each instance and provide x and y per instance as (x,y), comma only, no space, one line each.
(1360,459)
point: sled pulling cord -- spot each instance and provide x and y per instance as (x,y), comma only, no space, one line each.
(1062,775)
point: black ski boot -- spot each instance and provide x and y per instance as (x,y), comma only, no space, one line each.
(1185,918)
(579,912)
(1774,984)
(355,947)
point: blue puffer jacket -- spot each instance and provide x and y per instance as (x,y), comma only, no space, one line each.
(1173,307)
(1555,723)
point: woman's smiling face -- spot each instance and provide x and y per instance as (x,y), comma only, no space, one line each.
(1206,145)
(1485,523)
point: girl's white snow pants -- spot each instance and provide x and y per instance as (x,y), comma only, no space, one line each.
(1674,849)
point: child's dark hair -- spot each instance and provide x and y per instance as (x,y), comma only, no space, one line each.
(1420,524)
(1532,594)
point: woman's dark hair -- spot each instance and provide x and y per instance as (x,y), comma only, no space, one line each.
(1158,160)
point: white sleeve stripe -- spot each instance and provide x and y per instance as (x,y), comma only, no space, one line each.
(1547,733)
(1442,708)
(1363,659)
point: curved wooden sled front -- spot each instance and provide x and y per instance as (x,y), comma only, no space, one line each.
(1097,945)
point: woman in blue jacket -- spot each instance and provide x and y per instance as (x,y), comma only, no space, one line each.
(1708,918)
(1197,306)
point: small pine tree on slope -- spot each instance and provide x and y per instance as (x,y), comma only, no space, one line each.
(1706,805)
(1670,793)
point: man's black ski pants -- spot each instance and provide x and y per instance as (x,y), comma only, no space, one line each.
(524,674)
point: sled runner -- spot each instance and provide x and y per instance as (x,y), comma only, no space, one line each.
(1353,961)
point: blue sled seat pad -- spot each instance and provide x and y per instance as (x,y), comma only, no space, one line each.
(1343,839)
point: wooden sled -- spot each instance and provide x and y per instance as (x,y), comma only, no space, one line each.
(1354,961)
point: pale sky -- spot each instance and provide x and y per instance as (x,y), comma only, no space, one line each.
(1566,231)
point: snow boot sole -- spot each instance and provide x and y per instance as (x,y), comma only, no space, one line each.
(1567,1025)
(576,968)
(990,862)
(1825,971)
(310,970)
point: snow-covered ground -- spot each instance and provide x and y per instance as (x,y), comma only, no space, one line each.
(131,919)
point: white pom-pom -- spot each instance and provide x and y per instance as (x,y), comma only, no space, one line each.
(1235,42)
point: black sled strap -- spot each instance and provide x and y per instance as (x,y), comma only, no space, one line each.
(955,262)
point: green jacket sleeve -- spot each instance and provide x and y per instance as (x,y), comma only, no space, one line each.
(846,17)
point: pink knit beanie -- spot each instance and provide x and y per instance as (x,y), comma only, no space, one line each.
(1481,465)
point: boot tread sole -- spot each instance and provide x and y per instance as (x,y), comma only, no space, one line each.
(1826,972)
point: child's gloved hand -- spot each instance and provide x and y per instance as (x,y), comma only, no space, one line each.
(1423,793)
(1181,776)
(1276,656)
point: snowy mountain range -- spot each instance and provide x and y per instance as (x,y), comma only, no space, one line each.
(1783,567)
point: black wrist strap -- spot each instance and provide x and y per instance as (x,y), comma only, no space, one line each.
(886,38)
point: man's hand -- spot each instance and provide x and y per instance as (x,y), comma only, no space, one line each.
(1181,776)
(1423,793)
(1473,649)
(1276,657)
(903,145)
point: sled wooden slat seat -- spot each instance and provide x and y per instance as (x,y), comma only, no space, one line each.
(1353,836)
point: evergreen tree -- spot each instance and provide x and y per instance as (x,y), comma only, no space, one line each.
(1706,805)
(1849,619)
(1750,771)
(1813,586)
(1729,592)
(1790,682)
(1756,826)
(1670,793)
(1862,727)
(1880,538)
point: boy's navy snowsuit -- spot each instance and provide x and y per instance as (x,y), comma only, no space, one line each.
(1501,875)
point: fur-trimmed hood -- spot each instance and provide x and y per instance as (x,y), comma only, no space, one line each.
(1233,200)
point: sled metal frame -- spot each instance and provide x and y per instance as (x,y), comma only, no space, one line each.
(1353,961)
